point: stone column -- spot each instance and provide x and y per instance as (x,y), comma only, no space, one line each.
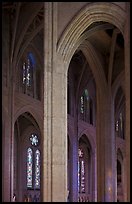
(127,95)
(55,114)
(59,137)
(106,185)
(47,137)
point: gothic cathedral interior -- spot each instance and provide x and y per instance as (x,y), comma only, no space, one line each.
(66,102)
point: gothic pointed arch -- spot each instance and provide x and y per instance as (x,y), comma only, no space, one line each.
(27,159)
(85,170)
(107,12)
(71,37)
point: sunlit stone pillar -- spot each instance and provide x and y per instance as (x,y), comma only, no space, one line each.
(46,181)
(59,137)
(55,113)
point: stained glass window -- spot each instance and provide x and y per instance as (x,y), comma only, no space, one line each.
(30,76)
(82,104)
(28,82)
(117,125)
(84,101)
(32,59)
(86,94)
(29,167)
(24,73)
(34,140)
(33,163)
(120,126)
(27,67)
(80,152)
(37,169)
(82,177)
(81,172)
(86,107)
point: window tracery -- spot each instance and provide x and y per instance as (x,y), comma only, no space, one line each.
(30,76)
(33,164)
(119,126)
(81,172)
(86,107)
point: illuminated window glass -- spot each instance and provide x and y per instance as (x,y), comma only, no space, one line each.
(30,76)
(28,82)
(33,164)
(28,67)
(24,73)
(81,172)
(86,94)
(82,105)
(78,176)
(29,167)
(86,107)
(120,126)
(37,169)
(80,152)
(117,125)
(32,59)
(84,101)
(82,177)
(34,140)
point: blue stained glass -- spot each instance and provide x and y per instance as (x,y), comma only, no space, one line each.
(31,58)
(37,169)
(27,70)
(82,177)
(29,167)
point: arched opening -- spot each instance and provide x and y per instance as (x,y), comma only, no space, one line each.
(81,109)
(94,67)
(89,30)
(27,159)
